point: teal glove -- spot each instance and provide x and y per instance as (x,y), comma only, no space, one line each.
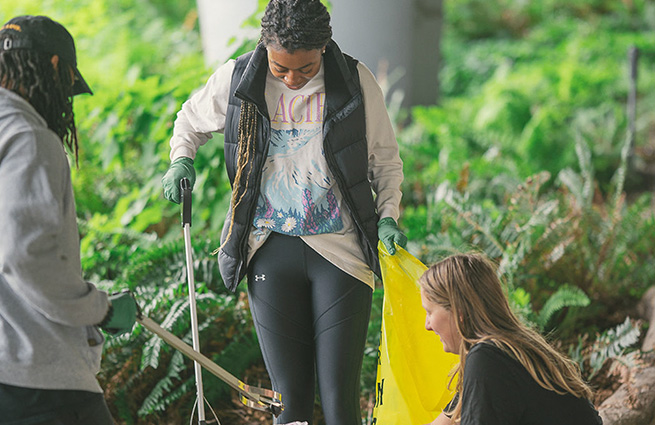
(389,233)
(122,314)
(180,168)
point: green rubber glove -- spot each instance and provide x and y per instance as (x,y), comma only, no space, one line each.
(180,168)
(122,314)
(389,233)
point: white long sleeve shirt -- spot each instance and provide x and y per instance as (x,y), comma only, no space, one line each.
(204,113)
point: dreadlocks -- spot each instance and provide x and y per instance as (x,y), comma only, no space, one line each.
(296,24)
(31,75)
(291,25)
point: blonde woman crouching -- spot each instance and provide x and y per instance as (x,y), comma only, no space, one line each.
(508,373)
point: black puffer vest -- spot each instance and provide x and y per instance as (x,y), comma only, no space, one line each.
(344,140)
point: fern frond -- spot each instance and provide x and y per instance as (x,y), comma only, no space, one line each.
(618,180)
(586,170)
(521,305)
(151,353)
(613,344)
(574,183)
(156,400)
(542,215)
(156,264)
(177,312)
(153,347)
(566,296)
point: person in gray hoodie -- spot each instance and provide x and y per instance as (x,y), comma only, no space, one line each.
(50,346)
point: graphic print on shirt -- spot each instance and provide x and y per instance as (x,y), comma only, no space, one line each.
(297,195)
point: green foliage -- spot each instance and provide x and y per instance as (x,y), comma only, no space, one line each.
(565,296)
(525,159)
(371,352)
(142,61)
(548,235)
(528,94)
(477,19)
(143,377)
(613,344)
(161,396)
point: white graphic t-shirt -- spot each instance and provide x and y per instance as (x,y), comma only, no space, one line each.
(298,190)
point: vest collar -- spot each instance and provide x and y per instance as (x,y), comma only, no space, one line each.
(340,84)
(253,81)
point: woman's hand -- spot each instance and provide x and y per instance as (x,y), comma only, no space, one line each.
(180,168)
(390,235)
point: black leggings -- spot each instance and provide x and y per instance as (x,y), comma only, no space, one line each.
(27,406)
(311,319)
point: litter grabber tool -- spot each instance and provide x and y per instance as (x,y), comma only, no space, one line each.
(253,397)
(185,191)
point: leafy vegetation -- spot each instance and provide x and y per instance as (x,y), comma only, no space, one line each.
(613,344)
(527,158)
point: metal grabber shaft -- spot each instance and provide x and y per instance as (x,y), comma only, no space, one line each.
(185,187)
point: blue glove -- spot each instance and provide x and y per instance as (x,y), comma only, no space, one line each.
(180,168)
(390,235)
(121,315)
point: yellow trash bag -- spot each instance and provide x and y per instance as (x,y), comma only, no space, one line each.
(412,376)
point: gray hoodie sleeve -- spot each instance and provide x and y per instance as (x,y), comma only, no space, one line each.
(39,248)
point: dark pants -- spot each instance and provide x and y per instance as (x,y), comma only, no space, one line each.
(27,406)
(311,319)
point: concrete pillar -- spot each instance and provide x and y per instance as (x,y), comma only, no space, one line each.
(426,52)
(221,27)
(397,39)
(379,33)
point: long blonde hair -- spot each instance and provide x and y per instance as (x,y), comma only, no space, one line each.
(467,285)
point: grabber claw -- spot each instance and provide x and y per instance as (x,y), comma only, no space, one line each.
(253,397)
(261,399)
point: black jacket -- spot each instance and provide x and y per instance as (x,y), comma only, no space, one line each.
(344,141)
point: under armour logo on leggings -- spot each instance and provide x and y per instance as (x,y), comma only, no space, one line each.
(260,277)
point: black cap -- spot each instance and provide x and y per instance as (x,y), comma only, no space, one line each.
(42,34)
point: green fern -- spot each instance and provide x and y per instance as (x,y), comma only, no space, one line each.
(566,296)
(613,344)
(155,401)
(508,234)
(157,276)
(167,262)
(156,265)
(521,305)
(152,348)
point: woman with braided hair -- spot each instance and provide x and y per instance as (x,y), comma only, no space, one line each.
(308,141)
